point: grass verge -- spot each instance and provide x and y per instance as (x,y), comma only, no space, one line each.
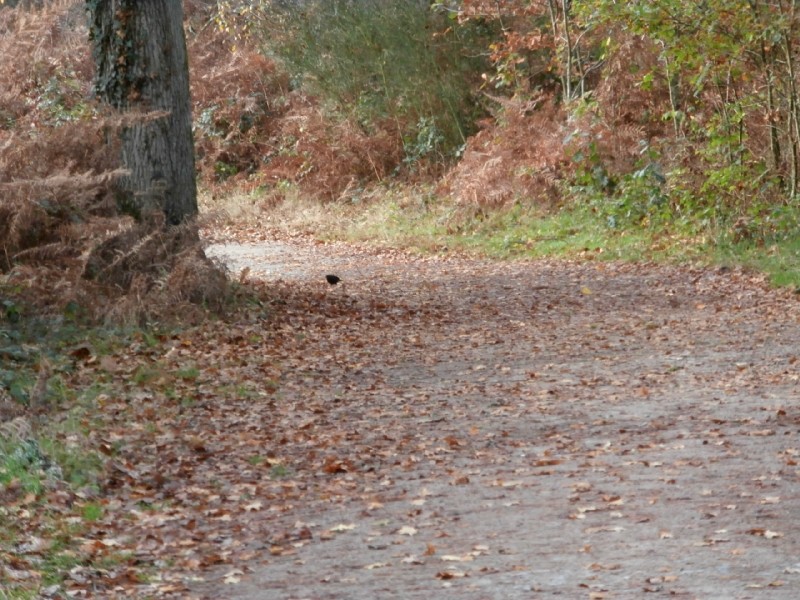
(51,462)
(413,218)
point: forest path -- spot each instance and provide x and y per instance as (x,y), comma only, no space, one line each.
(457,428)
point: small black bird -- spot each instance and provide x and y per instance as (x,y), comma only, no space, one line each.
(332,279)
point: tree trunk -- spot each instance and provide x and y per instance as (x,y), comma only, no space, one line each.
(140,55)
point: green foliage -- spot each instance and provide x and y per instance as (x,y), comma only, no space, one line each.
(427,142)
(12,311)
(223,170)
(207,123)
(18,383)
(639,199)
(29,468)
(634,199)
(729,67)
(382,61)
(57,100)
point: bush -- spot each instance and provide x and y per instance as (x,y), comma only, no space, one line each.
(379,61)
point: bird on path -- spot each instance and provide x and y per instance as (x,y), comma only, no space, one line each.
(332,279)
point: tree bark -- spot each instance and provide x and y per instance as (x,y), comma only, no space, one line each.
(142,68)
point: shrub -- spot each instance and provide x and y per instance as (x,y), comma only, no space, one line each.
(397,62)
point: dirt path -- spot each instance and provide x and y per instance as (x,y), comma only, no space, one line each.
(475,430)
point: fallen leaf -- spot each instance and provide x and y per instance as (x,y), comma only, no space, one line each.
(232,577)
(616,529)
(765,533)
(455,558)
(506,484)
(450,575)
(792,570)
(547,462)
(762,432)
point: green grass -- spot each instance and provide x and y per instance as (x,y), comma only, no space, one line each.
(23,473)
(188,373)
(20,467)
(28,464)
(280,472)
(779,260)
(59,448)
(414,219)
(145,375)
(17,594)
(92,512)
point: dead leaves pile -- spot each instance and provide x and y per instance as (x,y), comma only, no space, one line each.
(412,420)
